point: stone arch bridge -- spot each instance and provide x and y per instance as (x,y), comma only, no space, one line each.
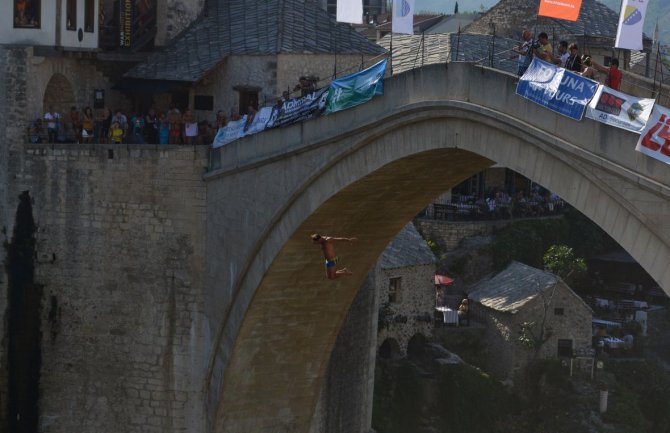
(366,172)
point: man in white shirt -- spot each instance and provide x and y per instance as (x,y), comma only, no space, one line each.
(52,119)
(563,54)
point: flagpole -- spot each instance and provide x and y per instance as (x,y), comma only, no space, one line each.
(391,45)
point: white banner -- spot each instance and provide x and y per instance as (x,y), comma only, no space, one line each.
(259,121)
(403,17)
(232,131)
(631,21)
(350,11)
(655,139)
(620,110)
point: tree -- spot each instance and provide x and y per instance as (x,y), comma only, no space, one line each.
(456,9)
(533,335)
(561,261)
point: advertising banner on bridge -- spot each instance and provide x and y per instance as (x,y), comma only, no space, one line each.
(557,89)
(258,122)
(561,9)
(655,138)
(299,109)
(243,127)
(232,131)
(356,89)
(620,110)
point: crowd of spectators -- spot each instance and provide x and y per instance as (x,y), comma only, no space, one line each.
(171,126)
(106,126)
(568,57)
(498,204)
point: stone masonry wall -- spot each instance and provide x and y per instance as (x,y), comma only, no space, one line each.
(290,67)
(502,329)
(416,301)
(120,253)
(449,234)
(271,75)
(4,217)
(173,16)
(345,404)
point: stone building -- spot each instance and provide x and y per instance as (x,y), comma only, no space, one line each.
(247,53)
(406,291)
(114,324)
(522,294)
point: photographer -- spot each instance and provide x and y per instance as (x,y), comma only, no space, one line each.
(525,51)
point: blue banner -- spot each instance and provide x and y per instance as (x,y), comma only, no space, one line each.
(357,88)
(557,89)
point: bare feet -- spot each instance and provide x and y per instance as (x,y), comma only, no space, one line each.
(344,272)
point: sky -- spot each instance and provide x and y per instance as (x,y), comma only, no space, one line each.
(447,6)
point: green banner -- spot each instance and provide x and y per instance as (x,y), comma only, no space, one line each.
(357,88)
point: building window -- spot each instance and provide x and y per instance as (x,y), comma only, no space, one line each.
(71,15)
(27,14)
(89,15)
(248,98)
(564,349)
(559,312)
(607,61)
(203,102)
(394,290)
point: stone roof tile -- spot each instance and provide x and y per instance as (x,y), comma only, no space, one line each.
(512,288)
(252,27)
(408,248)
(412,51)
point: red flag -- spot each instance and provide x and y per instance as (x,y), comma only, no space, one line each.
(561,9)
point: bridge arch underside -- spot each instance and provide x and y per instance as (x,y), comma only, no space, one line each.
(280,355)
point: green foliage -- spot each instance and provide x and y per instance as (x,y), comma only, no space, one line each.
(561,260)
(460,399)
(526,241)
(639,398)
(456,8)
(397,401)
(471,401)
(434,247)
(457,266)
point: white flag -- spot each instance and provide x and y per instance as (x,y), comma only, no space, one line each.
(403,17)
(631,21)
(350,11)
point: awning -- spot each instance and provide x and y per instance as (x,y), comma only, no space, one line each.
(443,280)
(606,323)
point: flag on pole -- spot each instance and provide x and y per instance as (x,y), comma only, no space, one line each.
(403,17)
(561,9)
(631,21)
(350,11)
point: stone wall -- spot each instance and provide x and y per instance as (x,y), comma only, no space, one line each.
(5,213)
(36,82)
(269,75)
(345,404)
(412,313)
(449,234)
(503,329)
(120,255)
(174,16)
(290,67)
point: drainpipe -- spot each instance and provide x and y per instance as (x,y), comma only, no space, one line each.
(58,20)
